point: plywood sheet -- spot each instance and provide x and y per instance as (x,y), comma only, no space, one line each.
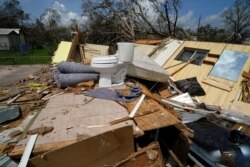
(71,116)
(100,150)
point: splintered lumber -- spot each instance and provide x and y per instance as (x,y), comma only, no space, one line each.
(104,149)
(157,119)
(217,84)
(149,156)
(73,48)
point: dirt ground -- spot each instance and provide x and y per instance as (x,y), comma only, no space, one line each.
(11,74)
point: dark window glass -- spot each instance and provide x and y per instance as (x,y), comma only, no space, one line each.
(196,55)
(185,55)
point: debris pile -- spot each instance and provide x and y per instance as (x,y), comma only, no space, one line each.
(60,116)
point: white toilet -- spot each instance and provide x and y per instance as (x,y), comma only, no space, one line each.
(113,68)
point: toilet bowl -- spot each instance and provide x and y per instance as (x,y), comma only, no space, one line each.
(106,66)
(113,68)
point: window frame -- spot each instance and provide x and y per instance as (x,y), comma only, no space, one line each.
(195,50)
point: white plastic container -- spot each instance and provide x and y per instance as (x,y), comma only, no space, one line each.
(126,51)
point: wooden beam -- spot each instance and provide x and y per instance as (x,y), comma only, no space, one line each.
(217,84)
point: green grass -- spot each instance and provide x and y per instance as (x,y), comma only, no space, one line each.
(37,56)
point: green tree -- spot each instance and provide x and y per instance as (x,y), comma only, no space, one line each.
(11,14)
(213,34)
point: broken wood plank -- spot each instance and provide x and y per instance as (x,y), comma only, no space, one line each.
(217,84)
(10,94)
(149,156)
(41,148)
(13,99)
(156,120)
(133,112)
(100,150)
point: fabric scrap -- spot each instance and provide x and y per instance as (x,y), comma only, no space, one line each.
(109,94)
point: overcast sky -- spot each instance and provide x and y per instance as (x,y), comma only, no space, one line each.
(189,13)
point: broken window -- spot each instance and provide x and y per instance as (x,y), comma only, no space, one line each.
(194,55)
(229,65)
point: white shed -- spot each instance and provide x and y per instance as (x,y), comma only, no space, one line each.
(11,38)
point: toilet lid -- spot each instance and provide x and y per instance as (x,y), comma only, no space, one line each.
(105,60)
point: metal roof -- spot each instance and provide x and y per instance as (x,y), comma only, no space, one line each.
(6,31)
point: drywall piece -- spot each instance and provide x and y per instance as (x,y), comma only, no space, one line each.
(145,68)
(217,84)
(100,150)
(149,156)
(27,151)
(62,52)
(163,54)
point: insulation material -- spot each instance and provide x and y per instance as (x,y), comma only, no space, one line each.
(69,67)
(65,80)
